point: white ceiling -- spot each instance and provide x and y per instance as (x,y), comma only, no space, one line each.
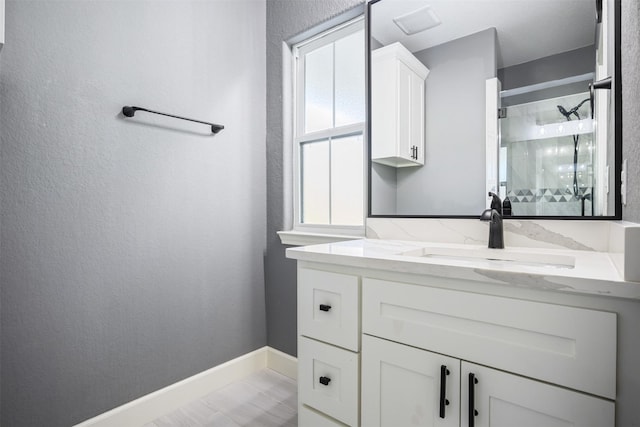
(527,29)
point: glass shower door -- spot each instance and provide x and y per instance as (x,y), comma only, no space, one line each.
(547,157)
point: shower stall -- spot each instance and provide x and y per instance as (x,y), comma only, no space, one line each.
(548,159)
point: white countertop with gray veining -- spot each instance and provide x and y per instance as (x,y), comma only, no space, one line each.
(560,270)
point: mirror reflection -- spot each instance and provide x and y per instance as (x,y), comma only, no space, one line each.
(473,96)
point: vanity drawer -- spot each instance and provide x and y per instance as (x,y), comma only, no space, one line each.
(308,417)
(328,307)
(328,379)
(569,346)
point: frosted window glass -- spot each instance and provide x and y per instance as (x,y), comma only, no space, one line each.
(318,81)
(347,181)
(315,182)
(349,80)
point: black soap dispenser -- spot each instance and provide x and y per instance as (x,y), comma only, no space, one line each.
(506,207)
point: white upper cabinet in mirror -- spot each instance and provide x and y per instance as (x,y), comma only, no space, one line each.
(501,102)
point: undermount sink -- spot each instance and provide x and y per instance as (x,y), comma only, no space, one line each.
(502,256)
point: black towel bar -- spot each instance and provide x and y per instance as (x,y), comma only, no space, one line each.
(130,111)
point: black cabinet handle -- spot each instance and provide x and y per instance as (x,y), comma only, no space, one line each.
(324,307)
(443,389)
(325,380)
(416,150)
(472,394)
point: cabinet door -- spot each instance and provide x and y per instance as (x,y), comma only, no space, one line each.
(416,144)
(403,386)
(507,400)
(404,147)
(384,109)
(410,115)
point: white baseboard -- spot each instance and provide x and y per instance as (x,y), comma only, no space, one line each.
(282,363)
(151,406)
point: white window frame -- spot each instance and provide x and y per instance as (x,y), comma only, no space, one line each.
(324,232)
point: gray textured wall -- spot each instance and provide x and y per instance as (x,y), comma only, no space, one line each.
(384,182)
(132,254)
(286,19)
(631,104)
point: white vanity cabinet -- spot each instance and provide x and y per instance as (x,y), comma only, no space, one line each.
(568,346)
(397,107)
(374,351)
(534,342)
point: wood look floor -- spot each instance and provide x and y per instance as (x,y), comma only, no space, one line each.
(265,398)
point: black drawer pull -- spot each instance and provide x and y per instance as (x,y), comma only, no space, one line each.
(472,394)
(325,380)
(324,307)
(443,389)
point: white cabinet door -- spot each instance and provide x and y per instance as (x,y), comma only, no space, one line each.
(507,400)
(410,120)
(404,148)
(417,119)
(403,386)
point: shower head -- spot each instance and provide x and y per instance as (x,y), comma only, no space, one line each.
(573,111)
(564,112)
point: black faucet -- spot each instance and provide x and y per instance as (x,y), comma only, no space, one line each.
(494,216)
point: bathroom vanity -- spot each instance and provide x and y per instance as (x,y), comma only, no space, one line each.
(421,324)
(394,333)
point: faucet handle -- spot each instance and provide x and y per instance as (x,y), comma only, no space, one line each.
(486,215)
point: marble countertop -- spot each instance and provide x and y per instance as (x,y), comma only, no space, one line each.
(592,273)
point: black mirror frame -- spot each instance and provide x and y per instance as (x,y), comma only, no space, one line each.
(617,91)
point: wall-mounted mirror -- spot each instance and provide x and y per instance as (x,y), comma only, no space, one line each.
(517,97)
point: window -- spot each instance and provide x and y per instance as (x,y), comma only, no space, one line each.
(329,128)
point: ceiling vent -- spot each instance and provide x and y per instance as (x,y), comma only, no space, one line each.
(418,20)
